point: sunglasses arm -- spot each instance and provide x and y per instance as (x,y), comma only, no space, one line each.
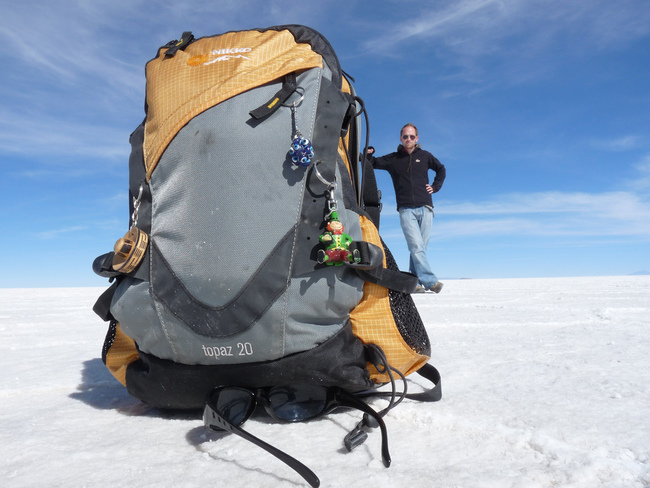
(308,475)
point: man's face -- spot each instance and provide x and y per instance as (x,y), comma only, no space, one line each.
(409,138)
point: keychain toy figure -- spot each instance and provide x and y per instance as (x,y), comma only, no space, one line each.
(337,242)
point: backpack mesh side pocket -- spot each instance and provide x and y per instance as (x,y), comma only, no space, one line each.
(389,320)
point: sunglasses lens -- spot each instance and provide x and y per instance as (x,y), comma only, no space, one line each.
(297,404)
(235,404)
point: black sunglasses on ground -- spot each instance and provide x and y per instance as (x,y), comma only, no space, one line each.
(227,407)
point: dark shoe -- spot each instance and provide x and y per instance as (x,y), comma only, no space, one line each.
(419,289)
(437,287)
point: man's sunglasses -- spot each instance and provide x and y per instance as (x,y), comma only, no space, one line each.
(228,407)
(409,136)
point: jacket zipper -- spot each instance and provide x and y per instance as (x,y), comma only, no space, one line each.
(408,170)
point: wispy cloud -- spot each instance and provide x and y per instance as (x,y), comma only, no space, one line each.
(642,182)
(57,233)
(611,203)
(550,214)
(52,139)
(477,27)
(65,41)
(68,87)
(453,21)
(519,33)
(622,143)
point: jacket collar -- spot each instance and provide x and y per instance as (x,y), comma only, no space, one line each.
(400,149)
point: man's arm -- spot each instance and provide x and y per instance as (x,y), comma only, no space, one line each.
(441,174)
(382,162)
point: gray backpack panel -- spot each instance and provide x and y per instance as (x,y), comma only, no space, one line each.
(223,242)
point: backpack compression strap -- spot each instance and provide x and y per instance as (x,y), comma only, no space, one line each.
(429,372)
(375,355)
(371,194)
(371,269)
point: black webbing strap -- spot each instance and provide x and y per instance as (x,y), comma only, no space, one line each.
(370,256)
(432,394)
(288,87)
(371,194)
(392,279)
(370,267)
(429,372)
(103,266)
(174,46)
(102,306)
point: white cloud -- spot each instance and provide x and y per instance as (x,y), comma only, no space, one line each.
(64,41)
(550,214)
(525,37)
(622,143)
(51,139)
(553,202)
(451,23)
(57,233)
(642,182)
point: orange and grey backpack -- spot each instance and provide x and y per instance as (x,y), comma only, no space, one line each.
(253,256)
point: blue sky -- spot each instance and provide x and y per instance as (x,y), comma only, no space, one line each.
(540,111)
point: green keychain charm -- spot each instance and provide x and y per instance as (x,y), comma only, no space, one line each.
(337,242)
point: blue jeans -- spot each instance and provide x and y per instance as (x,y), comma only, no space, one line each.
(416,225)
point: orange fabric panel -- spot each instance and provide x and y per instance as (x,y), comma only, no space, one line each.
(372,321)
(122,353)
(343,153)
(344,142)
(209,71)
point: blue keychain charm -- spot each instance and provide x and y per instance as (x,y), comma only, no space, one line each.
(301,150)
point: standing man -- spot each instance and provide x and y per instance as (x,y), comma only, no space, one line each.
(409,168)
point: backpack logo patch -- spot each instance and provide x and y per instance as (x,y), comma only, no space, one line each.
(217,55)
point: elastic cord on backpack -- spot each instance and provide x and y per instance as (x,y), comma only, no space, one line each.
(376,356)
(358,435)
(364,158)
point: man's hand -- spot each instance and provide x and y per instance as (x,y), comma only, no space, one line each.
(430,189)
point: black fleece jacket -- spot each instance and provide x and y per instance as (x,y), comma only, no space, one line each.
(410,174)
